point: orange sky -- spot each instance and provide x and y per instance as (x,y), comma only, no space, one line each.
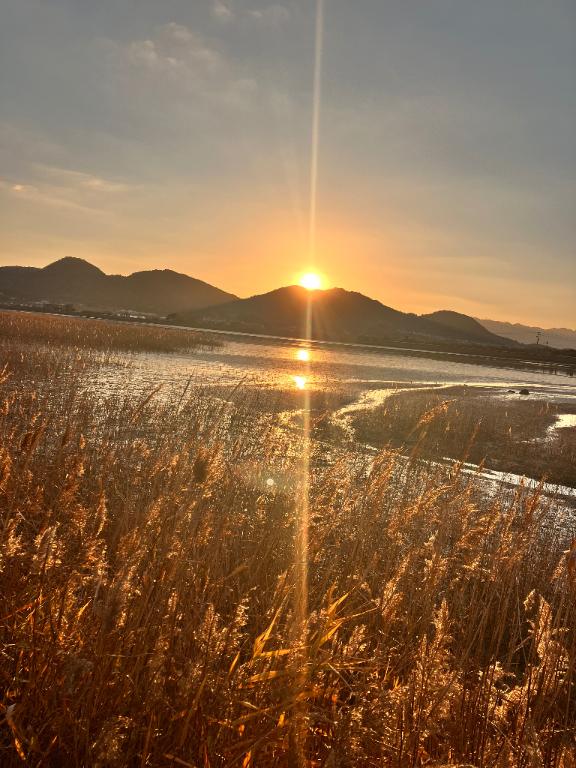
(179,137)
(383,264)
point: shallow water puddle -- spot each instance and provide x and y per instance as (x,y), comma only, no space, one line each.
(565,420)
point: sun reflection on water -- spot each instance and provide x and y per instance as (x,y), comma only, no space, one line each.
(300,382)
(303,355)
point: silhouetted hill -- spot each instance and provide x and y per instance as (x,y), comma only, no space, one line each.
(75,281)
(337,315)
(467,325)
(560,338)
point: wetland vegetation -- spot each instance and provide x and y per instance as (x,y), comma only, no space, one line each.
(149,586)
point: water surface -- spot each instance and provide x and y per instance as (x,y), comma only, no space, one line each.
(268,364)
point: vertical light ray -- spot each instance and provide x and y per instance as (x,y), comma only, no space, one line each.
(303,502)
(301,567)
(316,104)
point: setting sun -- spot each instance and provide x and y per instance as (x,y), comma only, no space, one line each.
(311,281)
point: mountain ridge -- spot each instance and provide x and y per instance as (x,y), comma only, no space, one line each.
(559,338)
(337,315)
(76,281)
(344,315)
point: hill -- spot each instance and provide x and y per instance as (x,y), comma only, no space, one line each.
(468,326)
(560,338)
(337,315)
(75,281)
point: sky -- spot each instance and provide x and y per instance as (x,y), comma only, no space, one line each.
(141,134)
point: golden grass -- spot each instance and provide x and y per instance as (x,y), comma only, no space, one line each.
(104,335)
(509,435)
(147,579)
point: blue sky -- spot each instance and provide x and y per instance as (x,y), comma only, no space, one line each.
(142,134)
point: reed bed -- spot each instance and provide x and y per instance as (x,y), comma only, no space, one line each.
(148,587)
(103,335)
(507,434)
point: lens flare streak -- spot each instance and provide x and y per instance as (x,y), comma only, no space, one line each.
(301,549)
(319,49)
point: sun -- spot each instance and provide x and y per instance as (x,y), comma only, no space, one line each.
(311,281)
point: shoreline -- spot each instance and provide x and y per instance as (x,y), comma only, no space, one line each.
(561,368)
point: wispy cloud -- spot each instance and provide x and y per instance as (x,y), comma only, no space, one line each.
(45,196)
(81,180)
(271,15)
(64,188)
(221,11)
(179,56)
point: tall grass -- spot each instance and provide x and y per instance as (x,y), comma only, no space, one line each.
(104,335)
(510,435)
(147,583)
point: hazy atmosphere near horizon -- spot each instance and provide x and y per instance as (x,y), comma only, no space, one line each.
(176,134)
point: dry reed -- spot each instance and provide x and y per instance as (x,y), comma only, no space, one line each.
(146,583)
(105,335)
(510,434)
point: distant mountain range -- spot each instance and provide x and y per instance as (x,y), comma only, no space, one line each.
(337,315)
(75,281)
(560,338)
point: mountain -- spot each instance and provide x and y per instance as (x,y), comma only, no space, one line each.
(468,326)
(560,338)
(337,315)
(75,281)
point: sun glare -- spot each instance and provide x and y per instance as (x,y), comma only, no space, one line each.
(300,382)
(311,281)
(303,355)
